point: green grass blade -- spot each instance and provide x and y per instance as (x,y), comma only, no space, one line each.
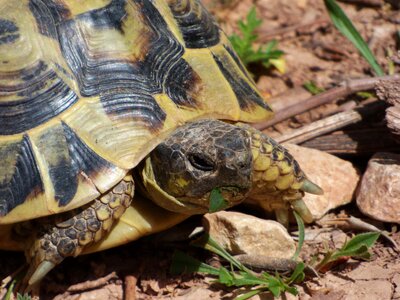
(300,225)
(251,294)
(346,27)
(183,263)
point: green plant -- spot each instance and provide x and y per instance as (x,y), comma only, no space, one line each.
(217,202)
(23,297)
(346,27)
(237,275)
(266,54)
(357,247)
(313,88)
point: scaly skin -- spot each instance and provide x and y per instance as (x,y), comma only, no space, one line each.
(278,182)
(241,161)
(68,234)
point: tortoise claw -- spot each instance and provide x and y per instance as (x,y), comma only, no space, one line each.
(41,271)
(282,216)
(310,187)
(301,208)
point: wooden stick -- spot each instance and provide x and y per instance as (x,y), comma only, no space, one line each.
(265,36)
(346,88)
(373,3)
(355,142)
(331,123)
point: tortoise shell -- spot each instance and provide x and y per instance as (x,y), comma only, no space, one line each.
(89,88)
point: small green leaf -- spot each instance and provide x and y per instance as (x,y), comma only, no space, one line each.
(225,277)
(358,246)
(361,252)
(275,286)
(10,290)
(217,202)
(23,297)
(266,54)
(346,27)
(313,88)
(183,263)
(368,239)
(249,279)
(208,243)
(251,294)
(298,274)
(300,225)
(365,95)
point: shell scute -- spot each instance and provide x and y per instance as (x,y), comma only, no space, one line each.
(19,175)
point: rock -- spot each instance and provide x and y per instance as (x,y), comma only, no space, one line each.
(379,193)
(244,234)
(337,177)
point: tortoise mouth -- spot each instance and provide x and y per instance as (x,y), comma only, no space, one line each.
(232,196)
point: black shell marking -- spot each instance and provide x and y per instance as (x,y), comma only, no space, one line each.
(8,32)
(237,61)
(68,158)
(182,83)
(18,180)
(164,64)
(48,15)
(246,95)
(44,95)
(110,16)
(135,104)
(196,24)
(83,160)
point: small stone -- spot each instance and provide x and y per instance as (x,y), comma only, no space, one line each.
(337,177)
(379,194)
(244,234)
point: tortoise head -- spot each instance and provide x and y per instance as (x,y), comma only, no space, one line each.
(199,157)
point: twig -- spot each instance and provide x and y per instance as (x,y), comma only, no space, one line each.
(330,124)
(358,224)
(363,141)
(265,36)
(89,285)
(374,3)
(288,98)
(346,88)
(130,287)
(262,263)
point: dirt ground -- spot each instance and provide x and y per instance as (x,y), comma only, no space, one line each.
(314,51)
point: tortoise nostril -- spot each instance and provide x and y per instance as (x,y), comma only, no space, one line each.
(242,165)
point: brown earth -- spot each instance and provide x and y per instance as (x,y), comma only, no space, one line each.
(314,51)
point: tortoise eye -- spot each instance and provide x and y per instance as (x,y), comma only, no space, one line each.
(201,162)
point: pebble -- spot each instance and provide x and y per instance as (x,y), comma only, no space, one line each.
(379,193)
(245,234)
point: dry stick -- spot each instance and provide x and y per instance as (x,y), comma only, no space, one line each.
(130,287)
(93,284)
(375,3)
(363,141)
(346,88)
(331,123)
(265,36)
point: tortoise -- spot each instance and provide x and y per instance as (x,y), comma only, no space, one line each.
(98,95)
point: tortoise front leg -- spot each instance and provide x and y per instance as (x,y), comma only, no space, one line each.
(278,181)
(68,234)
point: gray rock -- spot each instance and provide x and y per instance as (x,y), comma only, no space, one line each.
(379,193)
(244,234)
(337,177)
